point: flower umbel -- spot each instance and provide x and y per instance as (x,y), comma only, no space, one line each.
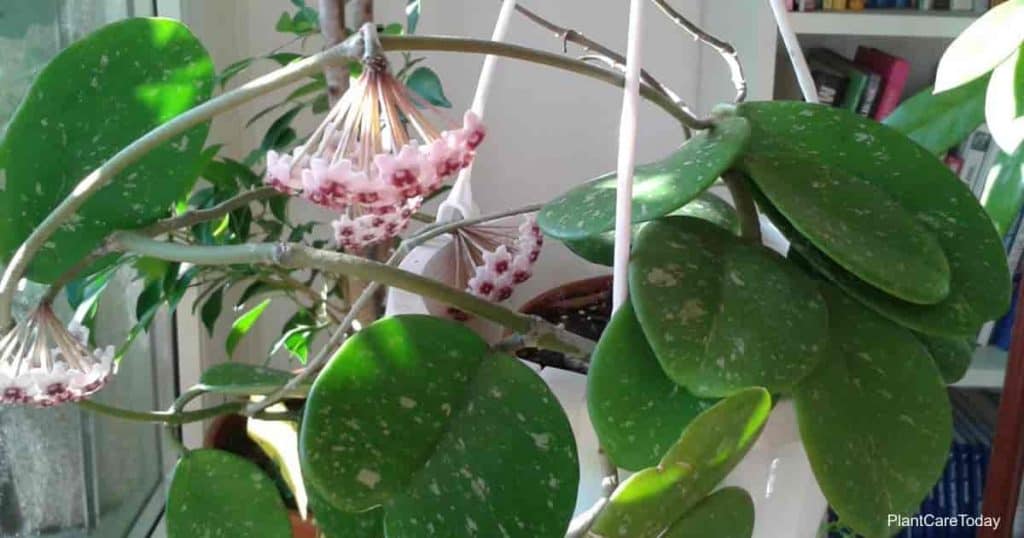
(42,363)
(377,154)
(492,259)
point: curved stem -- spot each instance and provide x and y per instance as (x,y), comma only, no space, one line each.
(198,216)
(724,49)
(173,418)
(351,48)
(294,256)
(452,44)
(750,225)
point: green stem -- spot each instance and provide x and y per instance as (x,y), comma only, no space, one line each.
(173,418)
(198,216)
(750,225)
(294,256)
(452,44)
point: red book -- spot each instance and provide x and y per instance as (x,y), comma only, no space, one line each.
(894,72)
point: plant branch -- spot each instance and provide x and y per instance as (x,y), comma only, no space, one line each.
(724,49)
(198,216)
(750,225)
(561,362)
(171,417)
(453,44)
(608,56)
(295,256)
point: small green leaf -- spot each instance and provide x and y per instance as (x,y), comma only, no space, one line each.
(394,28)
(637,411)
(412,15)
(242,379)
(92,100)
(232,71)
(659,188)
(1004,197)
(875,418)
(856,224)
(211,310)
(1004,104)
(982,46)
(215,493)
(280,133)
(922,184)
(722,313)
(653,500)
(951,355)
(242,325)
(726,513)
(284,23)
(600,248)
(425,82)
(940,121)
(415,414)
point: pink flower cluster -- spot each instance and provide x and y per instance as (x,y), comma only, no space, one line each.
(33,373)
(505,268)
(375,158)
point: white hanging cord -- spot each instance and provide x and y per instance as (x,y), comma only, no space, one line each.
(460,199)
(796,54)
(627,155)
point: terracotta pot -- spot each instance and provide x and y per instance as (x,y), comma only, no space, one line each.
(578,293)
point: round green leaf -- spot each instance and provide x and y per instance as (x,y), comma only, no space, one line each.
(1004,104)
(414,414)
(334,523)
(875,418)
(658,189)
(242,379)
(1004,197)
(722,313)
(856,224)
(923,185)
(93,99)
(600,248)
(216,493)
(940,121)
(654,499)
(726,513)
(982,46)
(952,356)
(636,410)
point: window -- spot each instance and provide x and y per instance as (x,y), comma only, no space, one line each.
(63,472)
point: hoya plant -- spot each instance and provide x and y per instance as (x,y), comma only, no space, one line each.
(415,425)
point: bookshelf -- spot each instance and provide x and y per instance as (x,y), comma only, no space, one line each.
(898,23)
(920,37)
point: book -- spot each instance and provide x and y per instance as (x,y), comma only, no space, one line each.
(869,100)
(894,72)
(855,5)
(830,83)
(961,5)
(974,151)
(856,76)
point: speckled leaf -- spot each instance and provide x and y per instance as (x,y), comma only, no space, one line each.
(1004,196)
(636,410)
(659,188)
(951,355)
(726,513)
(875,418)
(89,102)
(415,415)
(923,185)
(334,523)
(856,224)
(940,121)
(1004,103)
(982,46)
(651,501)
(242,379)
(722,313)
(600,249)
(216,493)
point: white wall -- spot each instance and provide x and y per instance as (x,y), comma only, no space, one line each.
(548,130)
